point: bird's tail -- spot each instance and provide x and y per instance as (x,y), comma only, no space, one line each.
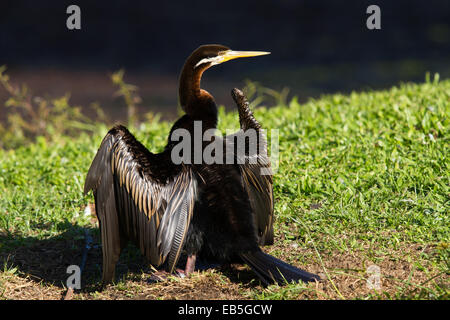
(272,270)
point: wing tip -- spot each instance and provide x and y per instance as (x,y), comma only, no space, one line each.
(237,95)
(86,189)
(93,176)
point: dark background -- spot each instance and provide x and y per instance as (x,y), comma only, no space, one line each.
(317,47)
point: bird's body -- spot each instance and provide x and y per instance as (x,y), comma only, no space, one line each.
(217,211)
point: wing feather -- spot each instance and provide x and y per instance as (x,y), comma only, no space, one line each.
(147,199)
(259,186)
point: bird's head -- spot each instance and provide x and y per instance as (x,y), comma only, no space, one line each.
(212,54)
(201,59)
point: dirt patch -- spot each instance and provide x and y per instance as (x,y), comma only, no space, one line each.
(38,271)
(402,273)
(200,285)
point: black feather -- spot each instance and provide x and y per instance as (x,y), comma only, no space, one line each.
(272,270)
(122,216)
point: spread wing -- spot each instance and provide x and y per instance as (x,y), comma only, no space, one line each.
(142,197)
(254,164)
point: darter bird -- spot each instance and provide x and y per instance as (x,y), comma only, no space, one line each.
(220,211)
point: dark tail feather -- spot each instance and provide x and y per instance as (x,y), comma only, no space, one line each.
(270,269)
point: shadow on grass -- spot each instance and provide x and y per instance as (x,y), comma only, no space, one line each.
(45,261)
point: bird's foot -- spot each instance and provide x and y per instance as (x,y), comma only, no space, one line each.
(159,276)
(189,268)
(181,273)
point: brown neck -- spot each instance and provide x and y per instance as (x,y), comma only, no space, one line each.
(195,101)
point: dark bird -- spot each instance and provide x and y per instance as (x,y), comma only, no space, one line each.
(220,211)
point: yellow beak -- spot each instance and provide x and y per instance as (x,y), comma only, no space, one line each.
(231,54)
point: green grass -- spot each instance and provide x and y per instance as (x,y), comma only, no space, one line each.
(363,176)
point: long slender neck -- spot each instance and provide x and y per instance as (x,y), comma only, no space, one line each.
(195,101)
